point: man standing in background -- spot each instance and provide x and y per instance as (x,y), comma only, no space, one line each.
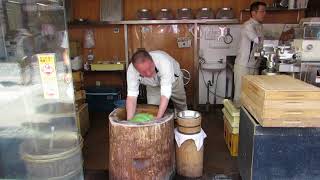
(251,42)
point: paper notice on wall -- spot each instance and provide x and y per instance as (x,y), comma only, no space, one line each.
(48,75)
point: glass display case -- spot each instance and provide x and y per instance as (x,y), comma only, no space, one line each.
(39,138)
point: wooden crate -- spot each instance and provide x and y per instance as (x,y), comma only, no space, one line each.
(79,98)
(83,121)
(281,101)
(233,120)
(77,86)
(77,76)
(79,103)
(232,129)
(231,139)
(230,107)
(80,95)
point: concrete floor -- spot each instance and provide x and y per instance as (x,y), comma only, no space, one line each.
(217,159)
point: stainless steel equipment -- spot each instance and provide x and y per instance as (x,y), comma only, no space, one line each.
(111,10)
(271,62)
(225,13)
(184,13)
(165,14)
(205,13)
(144,14)
(284,3)
(307,41)
(287,60)
(280,59)
(307,46)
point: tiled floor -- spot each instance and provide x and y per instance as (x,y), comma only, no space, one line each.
(217,159)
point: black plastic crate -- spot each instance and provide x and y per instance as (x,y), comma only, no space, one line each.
(101,99)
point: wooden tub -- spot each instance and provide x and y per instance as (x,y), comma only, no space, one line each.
(141,151)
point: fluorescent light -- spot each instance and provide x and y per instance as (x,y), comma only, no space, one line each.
(15,2)
(41,4)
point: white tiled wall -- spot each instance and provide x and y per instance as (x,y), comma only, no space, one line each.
(212,50)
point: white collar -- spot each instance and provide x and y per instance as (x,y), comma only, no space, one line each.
(254,21)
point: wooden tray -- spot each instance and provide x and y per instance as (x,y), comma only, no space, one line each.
(281,101)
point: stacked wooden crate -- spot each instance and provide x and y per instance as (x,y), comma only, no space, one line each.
(79,93)
(281,101)
(231,116)
(279,128)
(81,106)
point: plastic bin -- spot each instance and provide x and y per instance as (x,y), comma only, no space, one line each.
(120,103)
(101,99)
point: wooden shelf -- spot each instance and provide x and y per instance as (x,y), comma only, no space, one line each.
(150,22)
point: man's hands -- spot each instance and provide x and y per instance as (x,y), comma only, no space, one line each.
(163,106)
(131,105)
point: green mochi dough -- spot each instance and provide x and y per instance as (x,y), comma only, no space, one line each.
(142,117)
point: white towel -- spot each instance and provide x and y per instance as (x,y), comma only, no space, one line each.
(197,138)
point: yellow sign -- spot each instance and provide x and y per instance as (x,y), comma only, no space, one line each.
(48,75)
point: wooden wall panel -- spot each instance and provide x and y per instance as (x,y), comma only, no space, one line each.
(164,37)
(105,78)
(287,17)
(108,44)
(86,9)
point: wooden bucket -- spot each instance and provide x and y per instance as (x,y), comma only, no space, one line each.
(189,122)
(141,151)
(189,160)
(61,160)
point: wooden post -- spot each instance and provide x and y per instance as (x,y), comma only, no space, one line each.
(141,151)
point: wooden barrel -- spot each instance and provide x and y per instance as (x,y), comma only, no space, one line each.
(141,151)
(189,122)
(189,160)
(59,158)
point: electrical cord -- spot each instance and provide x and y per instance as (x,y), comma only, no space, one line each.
(204,80)
(216,85)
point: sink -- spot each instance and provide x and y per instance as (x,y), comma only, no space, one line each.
(214,66)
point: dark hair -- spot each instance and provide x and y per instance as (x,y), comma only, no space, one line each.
(139,56)
(255,6)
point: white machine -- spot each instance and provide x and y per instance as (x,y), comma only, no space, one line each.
(307,41)
(307,47)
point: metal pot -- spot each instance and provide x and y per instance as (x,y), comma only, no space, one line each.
(225,13)
(165,14)
(284,3)
(144,14)
(269,73)
(184,13)
(205,13)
